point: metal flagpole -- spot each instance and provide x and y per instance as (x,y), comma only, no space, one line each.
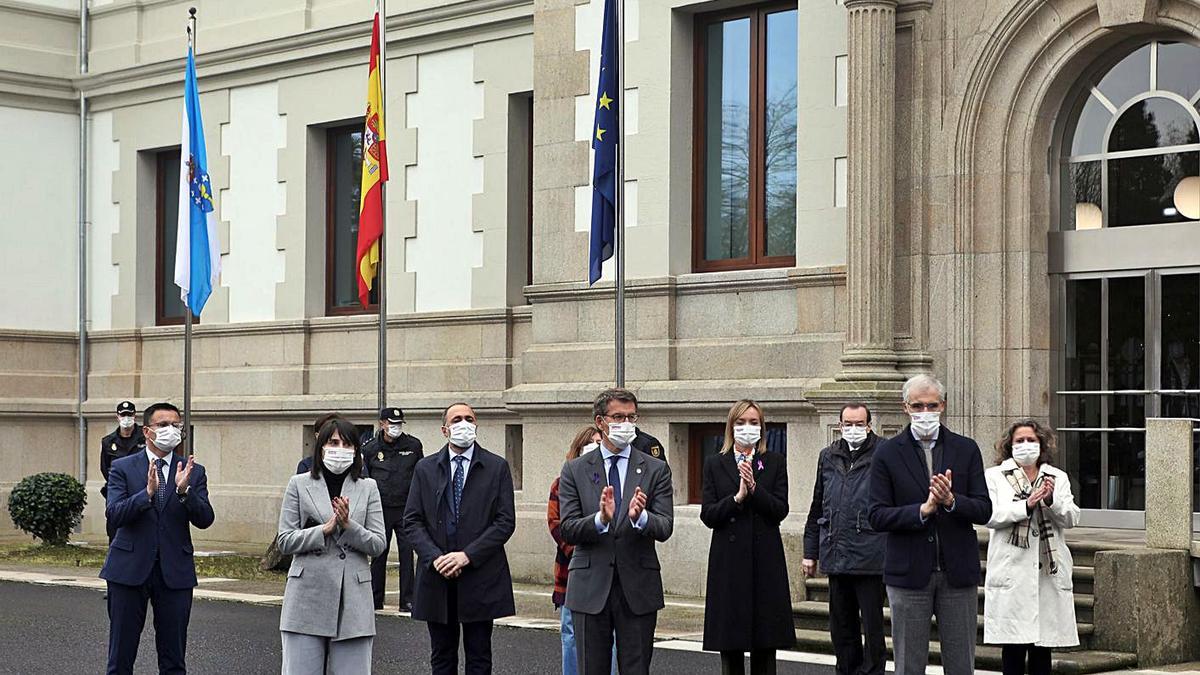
(619,202)
(187,313)
(381,278)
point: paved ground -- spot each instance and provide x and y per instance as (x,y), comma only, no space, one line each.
(62,630)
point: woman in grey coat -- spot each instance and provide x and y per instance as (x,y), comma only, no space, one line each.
(331,524)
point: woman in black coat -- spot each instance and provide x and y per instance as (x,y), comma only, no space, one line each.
(748,605)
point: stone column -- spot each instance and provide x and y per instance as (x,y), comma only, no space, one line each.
(869,354)
(1169,483)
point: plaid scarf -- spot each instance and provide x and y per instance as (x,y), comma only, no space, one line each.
(1019,535)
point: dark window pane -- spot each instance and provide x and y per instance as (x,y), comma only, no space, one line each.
(1090,129)
(1128,78)
(1082,199)
(727,140)
(780,134)
(1082,353)
(1179,68)
(1127,411)
(345,181)
(1081,461)
(776,435)
(1126,333)
(168,182)
(1153,123)
(1141,190)
(1081,411)
(1127,471)
(1180,367)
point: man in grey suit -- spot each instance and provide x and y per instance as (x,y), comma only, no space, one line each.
(615,503)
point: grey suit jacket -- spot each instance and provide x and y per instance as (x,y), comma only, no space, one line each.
(623,547)
(328,589)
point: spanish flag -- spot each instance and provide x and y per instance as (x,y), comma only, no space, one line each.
(374,174)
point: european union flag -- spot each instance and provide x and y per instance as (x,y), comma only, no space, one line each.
(197,250)
(605,137)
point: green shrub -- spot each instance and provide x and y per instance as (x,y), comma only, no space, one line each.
(48,506)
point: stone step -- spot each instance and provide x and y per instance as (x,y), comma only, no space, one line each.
(988,657)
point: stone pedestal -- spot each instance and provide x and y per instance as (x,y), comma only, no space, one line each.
(869,353)
(1146,605)
(1169,483)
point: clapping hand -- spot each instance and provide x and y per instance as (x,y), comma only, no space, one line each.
(608,505)
(940,486)
(184,473)
(341,511)
(1044,491)
(637,504)
(151,481)
(747,474)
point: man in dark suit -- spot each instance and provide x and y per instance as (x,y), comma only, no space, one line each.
(458,517)
(390,457)
(154,498)
(615,503)
(927,492)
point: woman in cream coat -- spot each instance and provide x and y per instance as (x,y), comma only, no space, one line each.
(331,523)
(1029,605)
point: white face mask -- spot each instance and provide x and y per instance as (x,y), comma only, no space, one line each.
(337,459)
(854,435)
(622,434)
(926,423)
(462,434)
(1027,453)
(166,438)
(125,422)
(747,435)
(394,431)
(588,448)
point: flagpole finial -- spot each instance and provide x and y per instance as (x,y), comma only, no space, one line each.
(192,11)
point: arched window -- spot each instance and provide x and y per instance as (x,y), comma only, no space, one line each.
(1133,156)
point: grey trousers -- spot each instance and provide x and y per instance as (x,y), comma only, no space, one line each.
(912,612)
(307,655)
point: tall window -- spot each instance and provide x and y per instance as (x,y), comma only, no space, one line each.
(169,309)
(744,207)
(1134,156)
(344,184)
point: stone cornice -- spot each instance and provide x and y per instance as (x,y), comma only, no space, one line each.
(7,334)
(693,284)
(41,11)
(39,92)
(463,22)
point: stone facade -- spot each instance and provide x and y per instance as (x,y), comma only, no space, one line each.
(938,261)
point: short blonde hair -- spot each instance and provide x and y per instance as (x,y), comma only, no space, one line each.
(737,411)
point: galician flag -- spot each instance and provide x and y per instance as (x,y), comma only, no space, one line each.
(197,250)
(374,174)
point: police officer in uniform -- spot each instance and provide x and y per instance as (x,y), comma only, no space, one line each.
(649,445)
(390,458)
(126,439)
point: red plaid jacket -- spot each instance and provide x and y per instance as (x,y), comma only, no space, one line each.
(562,555)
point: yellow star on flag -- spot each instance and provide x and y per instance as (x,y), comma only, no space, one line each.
(600,134)
(605,100)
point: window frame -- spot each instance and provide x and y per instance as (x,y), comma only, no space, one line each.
(331,226)
(757,259)
(162,158)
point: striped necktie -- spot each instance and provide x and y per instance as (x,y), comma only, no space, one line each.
(160,496)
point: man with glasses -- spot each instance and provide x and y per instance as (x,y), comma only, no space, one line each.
(390,457)
(615,503)
(125,440)
(927,494)
(154,497)
(850,552)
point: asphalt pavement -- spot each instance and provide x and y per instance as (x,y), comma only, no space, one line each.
(62,630)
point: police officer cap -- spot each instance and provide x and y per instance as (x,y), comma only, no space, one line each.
(126,408)
(393,415)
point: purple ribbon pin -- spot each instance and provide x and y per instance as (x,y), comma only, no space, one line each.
(595,479)
(760,466)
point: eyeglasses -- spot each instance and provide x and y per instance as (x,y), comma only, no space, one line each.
(164,425)
(922,407)
(621,419)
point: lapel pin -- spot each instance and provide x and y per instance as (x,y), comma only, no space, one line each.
(639,469)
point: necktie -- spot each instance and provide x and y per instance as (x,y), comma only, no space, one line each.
(928,447)
(614,479)
(458,483)
(160,495)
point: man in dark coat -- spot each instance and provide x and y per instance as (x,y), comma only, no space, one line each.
(839,535)
(125,440)
(458,517)
(928,493)
(390,457)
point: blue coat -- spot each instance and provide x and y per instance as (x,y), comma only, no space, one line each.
(144,533)
(900,484)
(838,532)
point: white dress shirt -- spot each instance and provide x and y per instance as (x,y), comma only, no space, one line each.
(622,470)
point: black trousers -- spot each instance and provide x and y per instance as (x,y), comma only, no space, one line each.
(762,662)
(852,596)
(127,617)
(594,636)
(393,521)
(443,641)
(1013,658)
